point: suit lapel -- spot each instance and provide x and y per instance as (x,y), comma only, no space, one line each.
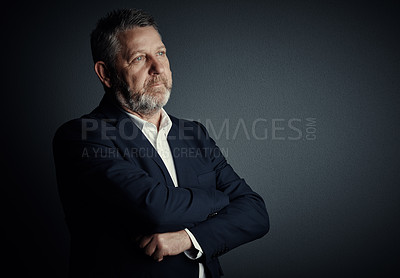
(180,152)
(136,142)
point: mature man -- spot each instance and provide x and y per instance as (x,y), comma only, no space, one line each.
(146,194)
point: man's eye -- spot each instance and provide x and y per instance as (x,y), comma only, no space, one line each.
(138,59)
(161,53)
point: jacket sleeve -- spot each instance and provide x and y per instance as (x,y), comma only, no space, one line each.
(92,168)
(243,220)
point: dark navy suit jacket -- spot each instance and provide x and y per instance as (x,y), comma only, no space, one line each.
(114,186)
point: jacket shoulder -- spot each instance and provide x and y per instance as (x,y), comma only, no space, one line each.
(183,123)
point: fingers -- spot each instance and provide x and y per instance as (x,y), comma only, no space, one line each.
(151,247)
(145,240)
(158,255)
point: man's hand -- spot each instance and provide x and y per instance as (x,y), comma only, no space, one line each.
(165,244)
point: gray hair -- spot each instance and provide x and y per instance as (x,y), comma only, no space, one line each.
(104,38)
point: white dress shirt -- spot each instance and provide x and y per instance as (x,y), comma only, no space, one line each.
(158,138)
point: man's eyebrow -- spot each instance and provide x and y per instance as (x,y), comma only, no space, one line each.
(135,52)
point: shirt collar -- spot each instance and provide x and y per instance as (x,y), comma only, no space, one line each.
(165,123)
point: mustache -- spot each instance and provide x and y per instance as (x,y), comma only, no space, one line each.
(155,80)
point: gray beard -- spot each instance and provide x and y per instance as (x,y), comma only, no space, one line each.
(146,102)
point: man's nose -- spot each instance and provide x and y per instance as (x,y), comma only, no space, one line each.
(156,67)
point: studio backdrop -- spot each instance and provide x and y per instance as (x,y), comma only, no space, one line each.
(302,98)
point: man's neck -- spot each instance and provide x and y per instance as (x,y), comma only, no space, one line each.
(154,118)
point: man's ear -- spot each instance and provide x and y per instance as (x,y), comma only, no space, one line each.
(103,73)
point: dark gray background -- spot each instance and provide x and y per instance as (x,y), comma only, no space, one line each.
(333,202)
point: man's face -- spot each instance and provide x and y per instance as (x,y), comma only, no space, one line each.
(144,79)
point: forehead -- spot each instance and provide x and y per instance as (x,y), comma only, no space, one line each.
(140,38)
